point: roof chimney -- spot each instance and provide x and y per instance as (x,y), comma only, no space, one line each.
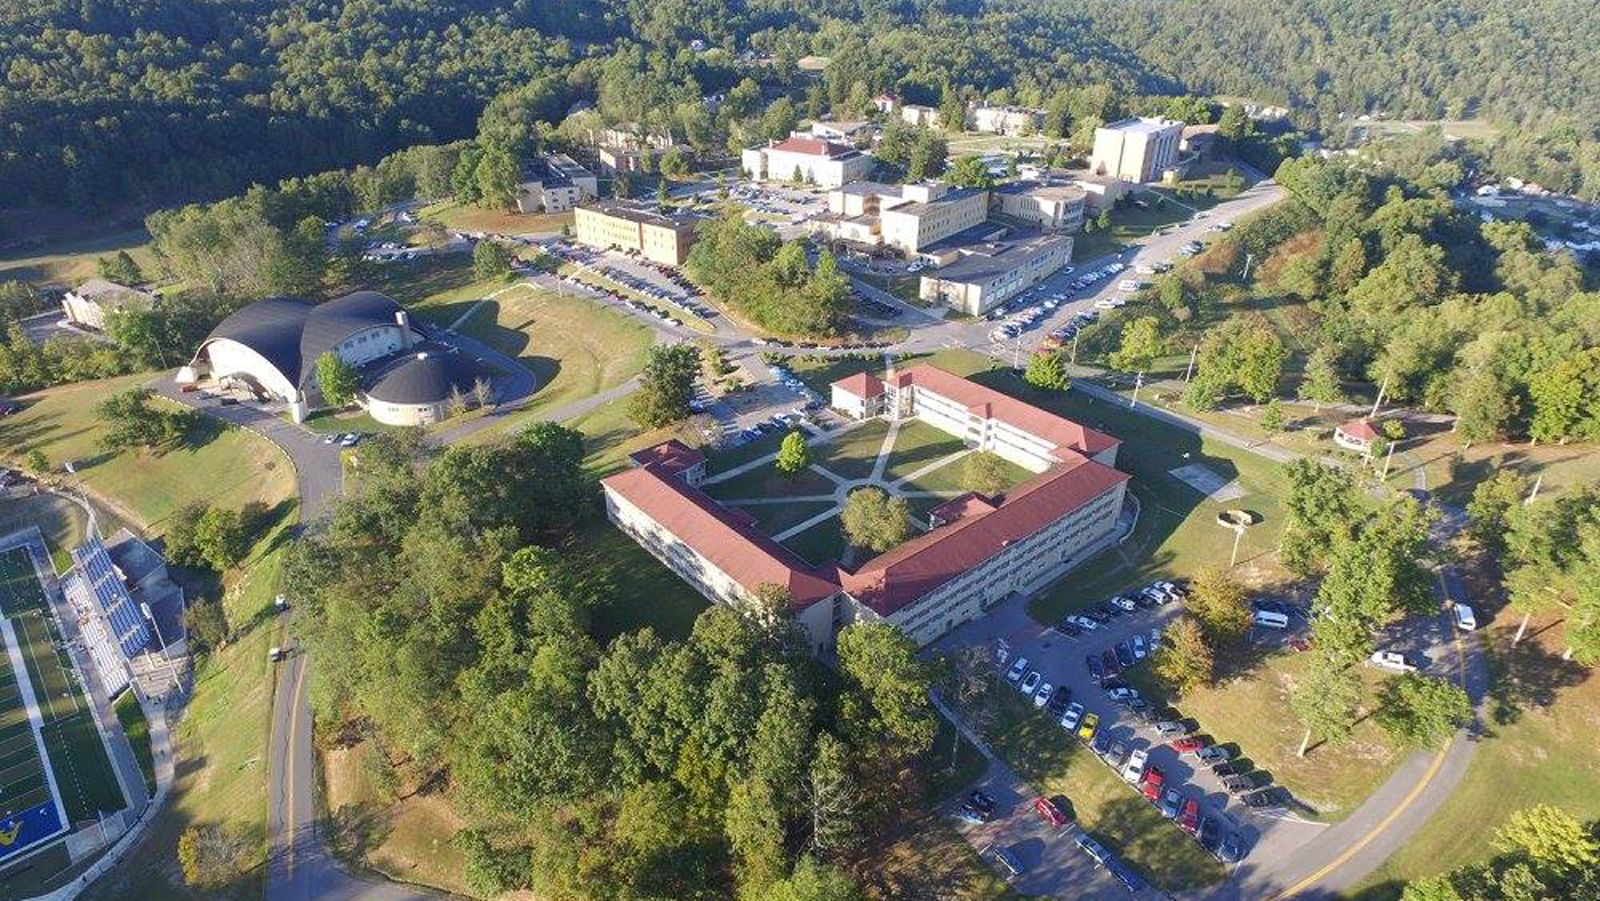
(403,319)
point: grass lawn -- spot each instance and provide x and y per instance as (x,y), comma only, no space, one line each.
(1251,713)
(820,543)
(72,262)
(767,481)
(61,521)
(904,287)
(1055,763)
(137,728)
(774,518)
(853,454)
(919,445)
(633,588)
(574,347)
(952,478)
(466,217)
(228,467)
(724,460)
(927,858)
(609,436)
(1539,749)
(333,422)
(414,281)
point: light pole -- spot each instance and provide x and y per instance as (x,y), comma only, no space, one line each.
(1193,354)
(1075,336)
(1238,534)
(1138,382)
(171,667)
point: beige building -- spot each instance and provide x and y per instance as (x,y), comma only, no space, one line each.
(555,184)
(988,274)
(1046,206)
(810,160)
(1137,149)
(1005,120)
(89,303)
(916,114)
(661,237)
(932,212)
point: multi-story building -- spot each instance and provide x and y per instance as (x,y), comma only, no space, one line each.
(90,303)
(932,212)
(1136,149)
(854,212)
(977,550)
(662,237)
(1047,206)
(555,184)
(1005,120)
(806,159)
(988,274)
(917,114)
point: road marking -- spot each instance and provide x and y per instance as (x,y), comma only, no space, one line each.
(294,729)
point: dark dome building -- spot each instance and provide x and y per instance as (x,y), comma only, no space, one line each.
(416,388)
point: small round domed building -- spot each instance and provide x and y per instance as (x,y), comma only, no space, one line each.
(271,348)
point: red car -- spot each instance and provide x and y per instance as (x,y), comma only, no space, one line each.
(1188,745)
(1152,781)
(1189,819)
(1052,813)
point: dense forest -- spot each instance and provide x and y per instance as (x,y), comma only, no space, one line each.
(212,95)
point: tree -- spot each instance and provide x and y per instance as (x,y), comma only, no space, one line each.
(1184,660)
(1319,382)
(1432,888)
(887,703)
(180,544)
(833,800)
(1141,344)
(1272,416)
(121,269)
(793,455)
(1046,371)
(490,260)
(969,171)
(952,110)
(132,421)
(36,463)
(813,881)
(666,386)
(985,472)
(673,163)
(1422,711)
(1234,124)
(496,175)
(1489,511)
(875,521)
(1327,701)
(1551,837)
(337,380)
(1321,506)
(1219,604)
(220,538)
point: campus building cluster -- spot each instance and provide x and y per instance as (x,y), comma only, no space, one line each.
(978,550)
(555,184)
(801,158)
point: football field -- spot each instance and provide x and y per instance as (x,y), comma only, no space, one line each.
(77,757)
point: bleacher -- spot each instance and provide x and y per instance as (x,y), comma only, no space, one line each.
(123,617)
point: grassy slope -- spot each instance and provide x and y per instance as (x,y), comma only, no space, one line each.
(137,728)
(72,262)
(231,469)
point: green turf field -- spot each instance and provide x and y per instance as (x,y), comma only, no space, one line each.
(77,756)
(22,779)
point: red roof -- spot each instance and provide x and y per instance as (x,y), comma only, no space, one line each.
(812,147)
(1359,428)
(1007,409)
(726,538)
(674,455)
(862,385)
(892,580)
(966,505)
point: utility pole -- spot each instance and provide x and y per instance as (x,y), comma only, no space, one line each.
(1138,382)
(1386,458)
(1193,354)
(1248,258)
(1238,534)
(1534,494)
(1379,402)
(1075,346)
(1016,354)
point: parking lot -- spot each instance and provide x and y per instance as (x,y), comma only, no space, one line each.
(779,403)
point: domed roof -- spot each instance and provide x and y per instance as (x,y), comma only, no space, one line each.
(291,333)
(425,377)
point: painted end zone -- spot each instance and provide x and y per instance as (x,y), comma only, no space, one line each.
(31,827)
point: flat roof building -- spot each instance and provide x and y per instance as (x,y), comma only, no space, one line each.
(930,213)
(90,303)
(988,274)
(806,159)
(974,554)
(1052,207)
(627,225)
(1137,149)
(1005,120)
(554,184)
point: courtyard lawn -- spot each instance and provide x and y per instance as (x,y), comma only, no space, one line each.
(223,465)
(820,543)
(575,348)
(952,478)
(1538,749)
(728,458)
(1250,713)
(919,445)
(905,287)
(766,481)
(1057,764)
(853,454)
(775,518)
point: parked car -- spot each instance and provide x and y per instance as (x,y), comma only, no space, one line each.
(1110,662)
(1466,620)
(1071,716)
(1171,803)
(1266,797)
(1122,693)
(1213,754)
(1210,834)
(1059,700)
(1188,745)
(1010,860)
(1087,728)
(1115,754)
(1030,682)
(971,814)
(1042,696)
(1189,817)
(1139,652)
(1223,770)
(1083,622)
(1124,602)
(1124,651)
(1238,785)
(1097,671)
(1232,848)
(1134,768)
(1152,782)
(1018,668)
(1392,660)
(1171,729)
(1051,812)
(981,801)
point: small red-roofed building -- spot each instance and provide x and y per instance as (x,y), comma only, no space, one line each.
(858,396)
(1356,435)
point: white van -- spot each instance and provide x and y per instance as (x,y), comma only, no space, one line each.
(1271,619)
(1466,621)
